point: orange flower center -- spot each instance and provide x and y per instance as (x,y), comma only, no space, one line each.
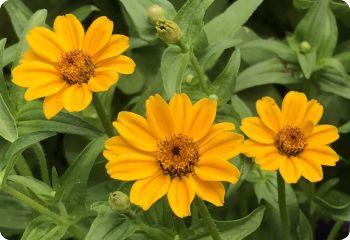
(178,155)
(76,67)
(290,141)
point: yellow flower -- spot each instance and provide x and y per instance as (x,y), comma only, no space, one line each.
(290,139)
(176,150)
(66,65)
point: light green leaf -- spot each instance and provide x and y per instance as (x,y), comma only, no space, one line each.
(8,128)
(226,25)
(19,146)
(42,228)
(173,66)
(224,85)
(9,54)
(334,204)
(240,107)
(31,119)
(17,214)
(267,72)
(190,19)
(331,83)
(307,62)
(74,180)
(83,12)
(131,84)
(110,226)
(19,14)
(138,10)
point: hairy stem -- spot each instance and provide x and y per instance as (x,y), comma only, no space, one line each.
(283,206)
(332,235)
(101,112)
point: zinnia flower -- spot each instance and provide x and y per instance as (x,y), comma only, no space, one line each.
(290,139)
(176,150)
(66,65)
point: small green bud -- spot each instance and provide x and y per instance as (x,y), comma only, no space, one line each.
(156,13)
(213,97)
(119,202)
(305,47)
(168,31)
(189,78)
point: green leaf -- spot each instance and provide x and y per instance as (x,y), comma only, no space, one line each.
(173,66)
(331,82)
(83,12)
(307,62)
(39,188)
(19,15)
(110,226)
(74,180)
(226,25)
(3,86)
(304,230)
(224,85)
(17,214)
(190,19)
(41,228)
(19,146)
(240,107)
(31,119)
(131,84)
(138,10)
(8,128)
(267,72)
(323,38)
(230,230)
(9,54)
(334,204)
(345,128)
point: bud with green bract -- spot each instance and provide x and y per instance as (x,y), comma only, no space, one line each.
(119,202)
(168,31)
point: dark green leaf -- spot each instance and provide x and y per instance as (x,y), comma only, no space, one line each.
(19,15)
(8,128)
(240,107)
(83,12)
(173,66)
(3,86)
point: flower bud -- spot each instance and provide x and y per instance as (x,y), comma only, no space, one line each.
(168,31)
(305,47)
(189,78)
(156,13)
(213,97)
(119,202)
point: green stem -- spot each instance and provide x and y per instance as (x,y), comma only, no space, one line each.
(335,230)
(197,67)
(204,212)
(283,206)
(23,167)
(39,152)
(41,209)
(103,116)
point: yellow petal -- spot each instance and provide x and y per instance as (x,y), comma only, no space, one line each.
(202,118)
(213,192)
(53,104)
(324,155)
(180,196)
(122,64)
(147,191)
(45,43)
(116,46)
(180,107)
(70,30)
(77,97)
(102,80)
(270,114)
(289,170)
(31,56)
(225,145)
(270,160)
(322,135)
(253,149)
(216,169)
(119,146)
(159,117)
(98,35)
(134,129)
(130,166)
(255,129)
(34,73)
(293,108)
(313,113)
(310,169)
(44,90)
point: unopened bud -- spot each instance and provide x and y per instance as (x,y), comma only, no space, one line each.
(168,31)
(213,97)
(305,47)
(156,13)
(189,78)
(119,202)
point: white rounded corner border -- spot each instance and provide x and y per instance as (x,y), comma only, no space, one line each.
(346,1)
(2,2)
